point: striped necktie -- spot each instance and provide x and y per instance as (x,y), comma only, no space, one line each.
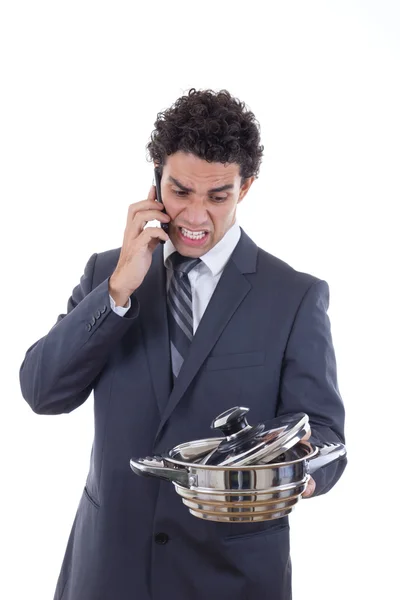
(179,308)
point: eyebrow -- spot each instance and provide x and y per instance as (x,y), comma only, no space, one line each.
(222,188)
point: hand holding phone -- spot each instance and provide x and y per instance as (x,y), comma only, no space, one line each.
(138,246)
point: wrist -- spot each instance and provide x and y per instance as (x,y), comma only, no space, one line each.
(120,296)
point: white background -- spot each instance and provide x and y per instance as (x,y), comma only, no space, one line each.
(82,83)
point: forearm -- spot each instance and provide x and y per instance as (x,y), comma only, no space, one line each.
(59,370)
(309,379)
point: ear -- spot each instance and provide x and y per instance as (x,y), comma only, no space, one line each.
(245,188)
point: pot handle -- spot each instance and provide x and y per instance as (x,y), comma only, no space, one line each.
(155,467)
(326,455)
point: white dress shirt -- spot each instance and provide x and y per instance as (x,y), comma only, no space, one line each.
(203,277)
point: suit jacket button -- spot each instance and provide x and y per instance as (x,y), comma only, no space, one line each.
(93,321)
(88,326)
(97,314)
(161,538)
(103,310)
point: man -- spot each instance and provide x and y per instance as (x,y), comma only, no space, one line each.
(165,355)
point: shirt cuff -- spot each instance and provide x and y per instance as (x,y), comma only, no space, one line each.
(119,310)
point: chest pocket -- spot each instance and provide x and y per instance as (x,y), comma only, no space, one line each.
(235,361)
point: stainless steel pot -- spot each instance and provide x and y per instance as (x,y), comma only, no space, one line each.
(265,490)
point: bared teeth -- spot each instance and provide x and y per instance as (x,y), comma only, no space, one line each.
(193,235)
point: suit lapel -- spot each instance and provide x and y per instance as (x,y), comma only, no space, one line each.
(153,317)
(230,292)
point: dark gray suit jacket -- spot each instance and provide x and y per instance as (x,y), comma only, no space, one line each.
(263,342)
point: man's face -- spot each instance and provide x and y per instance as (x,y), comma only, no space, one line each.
(201,199)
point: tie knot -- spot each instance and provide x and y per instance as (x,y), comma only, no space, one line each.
(182,264)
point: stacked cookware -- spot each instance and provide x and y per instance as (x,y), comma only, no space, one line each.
(251,473)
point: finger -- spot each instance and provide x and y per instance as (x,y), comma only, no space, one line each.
(307,436)
(310,489)
(153,233)
(143,217)
(152,195)
(137,207)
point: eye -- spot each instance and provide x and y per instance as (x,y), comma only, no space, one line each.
(217,199)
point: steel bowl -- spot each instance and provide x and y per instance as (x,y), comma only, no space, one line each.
(259,492)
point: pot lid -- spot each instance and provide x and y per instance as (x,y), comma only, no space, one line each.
(194,452)
(244,444)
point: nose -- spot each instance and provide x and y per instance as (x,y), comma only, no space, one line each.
(196,216)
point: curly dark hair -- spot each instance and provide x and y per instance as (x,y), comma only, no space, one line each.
(211,125)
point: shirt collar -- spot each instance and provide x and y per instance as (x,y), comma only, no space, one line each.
(216,258)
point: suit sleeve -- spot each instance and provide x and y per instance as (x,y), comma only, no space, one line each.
(59,370)
(309,379)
